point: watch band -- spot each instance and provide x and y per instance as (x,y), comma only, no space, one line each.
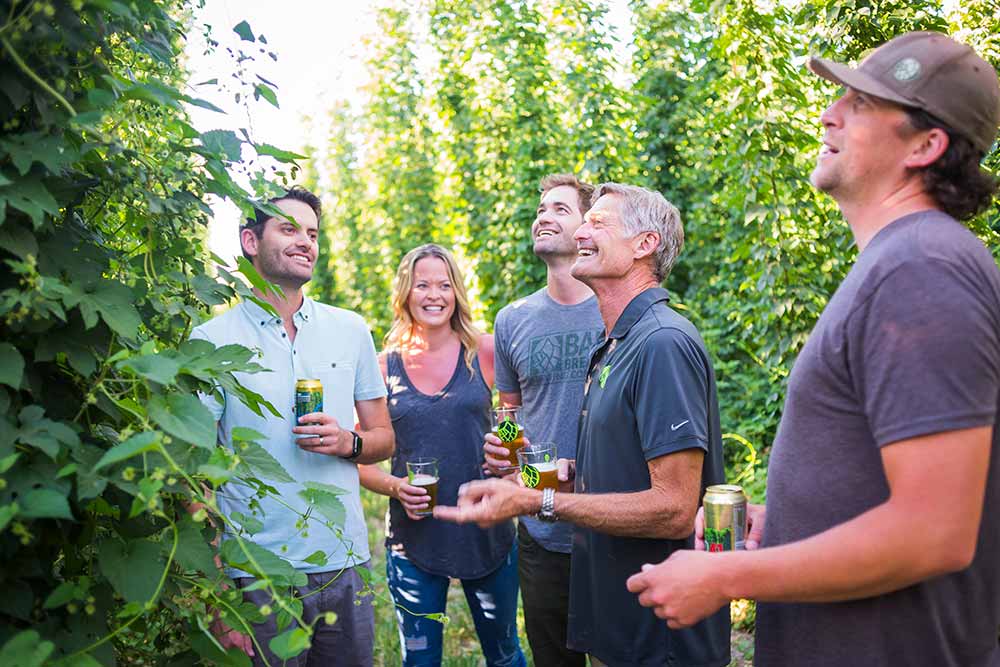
(548,511)
(356,447)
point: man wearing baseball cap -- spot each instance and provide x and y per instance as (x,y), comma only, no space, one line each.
(881,543)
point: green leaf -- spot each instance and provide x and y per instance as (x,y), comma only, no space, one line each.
(7,462)
(115,303)
(18,241)
(25,649)
(51,151)
(64,592)
(317,558)
(204,104)
(32,197)
(7,512)
(134,568)
(264,464)
(45,434)
(193,550)
(223,143)
(244,434)
(264,287)
(138,443)
(327,488)
(243,30)
(11,366)
(45,504)
(155,92)
(263,304)
(326,503)
(275,152)
(290,643)
(208,648)
(216,474)
(250,524)
(183,416)
(260,90)
(277,569)
(156,367)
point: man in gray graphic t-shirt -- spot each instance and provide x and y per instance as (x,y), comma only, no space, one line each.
(543,345)
(881,544)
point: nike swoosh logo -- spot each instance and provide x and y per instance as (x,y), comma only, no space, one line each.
(674,427)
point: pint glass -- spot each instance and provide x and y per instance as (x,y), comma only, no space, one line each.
(423,472)
(538,466)
(507,427)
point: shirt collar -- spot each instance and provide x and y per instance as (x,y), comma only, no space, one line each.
(636,308)
(263,318)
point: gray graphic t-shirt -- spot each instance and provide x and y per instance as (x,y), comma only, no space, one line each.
(542,351)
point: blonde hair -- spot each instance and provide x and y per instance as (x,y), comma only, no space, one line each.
(401,331)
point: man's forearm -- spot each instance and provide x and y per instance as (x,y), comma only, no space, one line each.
(877,552)
(379,444)
(640,514)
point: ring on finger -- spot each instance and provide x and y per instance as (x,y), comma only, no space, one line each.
(320,441)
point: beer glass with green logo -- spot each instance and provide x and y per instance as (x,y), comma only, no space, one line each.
(423,472)
(508,428)
(538,466)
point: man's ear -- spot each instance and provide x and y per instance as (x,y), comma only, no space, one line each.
(646,244)
(249,241)
(933,144)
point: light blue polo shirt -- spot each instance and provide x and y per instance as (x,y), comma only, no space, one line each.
(334,346)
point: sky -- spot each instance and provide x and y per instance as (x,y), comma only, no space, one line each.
(319,61)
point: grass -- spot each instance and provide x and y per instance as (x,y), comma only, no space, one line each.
(461,646)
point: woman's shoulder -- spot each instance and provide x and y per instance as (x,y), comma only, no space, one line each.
(485,342)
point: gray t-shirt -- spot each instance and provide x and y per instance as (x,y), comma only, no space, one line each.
(542,350)
(909,345)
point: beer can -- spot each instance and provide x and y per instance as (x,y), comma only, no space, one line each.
(308,398)
(725,518)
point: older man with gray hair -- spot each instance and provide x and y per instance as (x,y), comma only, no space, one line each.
(649,442)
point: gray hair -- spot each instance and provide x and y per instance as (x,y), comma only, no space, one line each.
(644,210)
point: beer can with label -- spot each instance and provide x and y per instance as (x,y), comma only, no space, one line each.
(308,398)
(725,518)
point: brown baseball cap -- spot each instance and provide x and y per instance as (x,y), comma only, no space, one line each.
(929,71)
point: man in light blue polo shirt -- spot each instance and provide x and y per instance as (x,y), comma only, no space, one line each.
(313,341)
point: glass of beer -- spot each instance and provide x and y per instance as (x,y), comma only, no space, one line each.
(538,466)
(508,428)
(423,472)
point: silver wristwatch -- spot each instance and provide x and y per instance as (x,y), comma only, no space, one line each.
(548,511)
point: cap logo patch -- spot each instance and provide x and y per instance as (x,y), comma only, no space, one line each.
(906,69)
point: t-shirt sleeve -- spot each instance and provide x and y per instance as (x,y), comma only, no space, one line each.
(211,400)
(368,383)
(924,353)
(505,375)
(670,394)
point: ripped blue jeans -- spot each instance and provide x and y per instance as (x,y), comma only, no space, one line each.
(492,601)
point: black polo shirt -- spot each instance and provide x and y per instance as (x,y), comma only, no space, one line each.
(650,392)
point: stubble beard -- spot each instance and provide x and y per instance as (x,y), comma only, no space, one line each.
(273,270)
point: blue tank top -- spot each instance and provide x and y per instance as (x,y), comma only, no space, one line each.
(449,426)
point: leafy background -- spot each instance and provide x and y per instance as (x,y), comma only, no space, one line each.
(103,185)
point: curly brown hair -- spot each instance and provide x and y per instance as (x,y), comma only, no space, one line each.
(956,181)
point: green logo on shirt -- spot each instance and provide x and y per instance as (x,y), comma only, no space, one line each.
(603,378)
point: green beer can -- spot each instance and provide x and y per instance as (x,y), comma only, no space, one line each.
(308,398)
(725,518)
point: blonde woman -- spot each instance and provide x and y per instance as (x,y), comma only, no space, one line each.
(439,372)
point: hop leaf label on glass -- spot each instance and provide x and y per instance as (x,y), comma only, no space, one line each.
(507,430)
